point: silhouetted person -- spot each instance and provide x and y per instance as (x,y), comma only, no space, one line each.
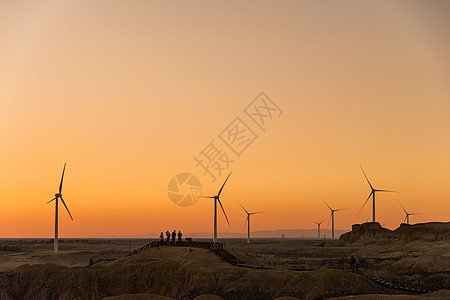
(179,235)
(174,234)
(357,263)
(352,263)
(91,262)
(168,236)
(161,237)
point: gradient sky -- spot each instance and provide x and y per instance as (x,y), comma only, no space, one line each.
(128,92)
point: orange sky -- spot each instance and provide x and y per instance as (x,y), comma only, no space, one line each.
(128,93)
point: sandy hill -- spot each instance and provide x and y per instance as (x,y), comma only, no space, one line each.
(176,272)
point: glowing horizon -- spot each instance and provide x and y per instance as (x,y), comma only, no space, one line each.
(128,94)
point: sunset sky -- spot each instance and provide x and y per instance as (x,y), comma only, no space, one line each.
(127,93)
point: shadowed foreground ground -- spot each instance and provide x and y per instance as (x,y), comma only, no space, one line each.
(176,272)
(412,254)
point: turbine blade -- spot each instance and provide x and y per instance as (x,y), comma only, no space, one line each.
(246,219)
(366,177)
(365,202)
(50,201)
(66,208)
(223,184)
(321,222)
(62,177)
(223,211)
(340,209)
(403,208)
(387,191)
(243,208)
(206,197)
(254,213)
(327,205)
(404,219)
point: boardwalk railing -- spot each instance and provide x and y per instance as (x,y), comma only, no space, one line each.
(205,245)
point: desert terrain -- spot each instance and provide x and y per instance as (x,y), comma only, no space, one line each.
(411,262)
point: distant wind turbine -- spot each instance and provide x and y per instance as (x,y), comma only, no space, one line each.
(332,218)
(407,214)
(217,199)
(372,193)
(247,221)
(318,228)
(59,196)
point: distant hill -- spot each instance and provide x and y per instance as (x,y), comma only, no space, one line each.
(288,233)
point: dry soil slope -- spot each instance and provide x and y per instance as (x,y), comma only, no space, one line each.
(176,272)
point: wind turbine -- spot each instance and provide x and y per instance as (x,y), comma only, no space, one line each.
(372,193)
(217,199)
(59,196)
(332,218)
(318,228)
(247,221)
(407,214)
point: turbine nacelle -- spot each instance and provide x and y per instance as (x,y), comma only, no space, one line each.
(58,195)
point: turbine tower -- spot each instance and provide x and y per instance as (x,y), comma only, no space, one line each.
(318,228)
(372,193)
(59,196)
(332,218)
(247,221)
(407,214)
(217,199)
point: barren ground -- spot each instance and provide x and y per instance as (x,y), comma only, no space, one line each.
(195,271)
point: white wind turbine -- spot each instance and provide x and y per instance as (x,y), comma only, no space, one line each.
(318,228)
(59,196)
(372,193)
(332,218)
(217,199)
(407,214)
(247,221)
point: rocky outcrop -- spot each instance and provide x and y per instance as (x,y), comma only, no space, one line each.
(434,231)
(372,232)
(367,233)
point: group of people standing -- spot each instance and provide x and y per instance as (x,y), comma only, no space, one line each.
(168,235)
